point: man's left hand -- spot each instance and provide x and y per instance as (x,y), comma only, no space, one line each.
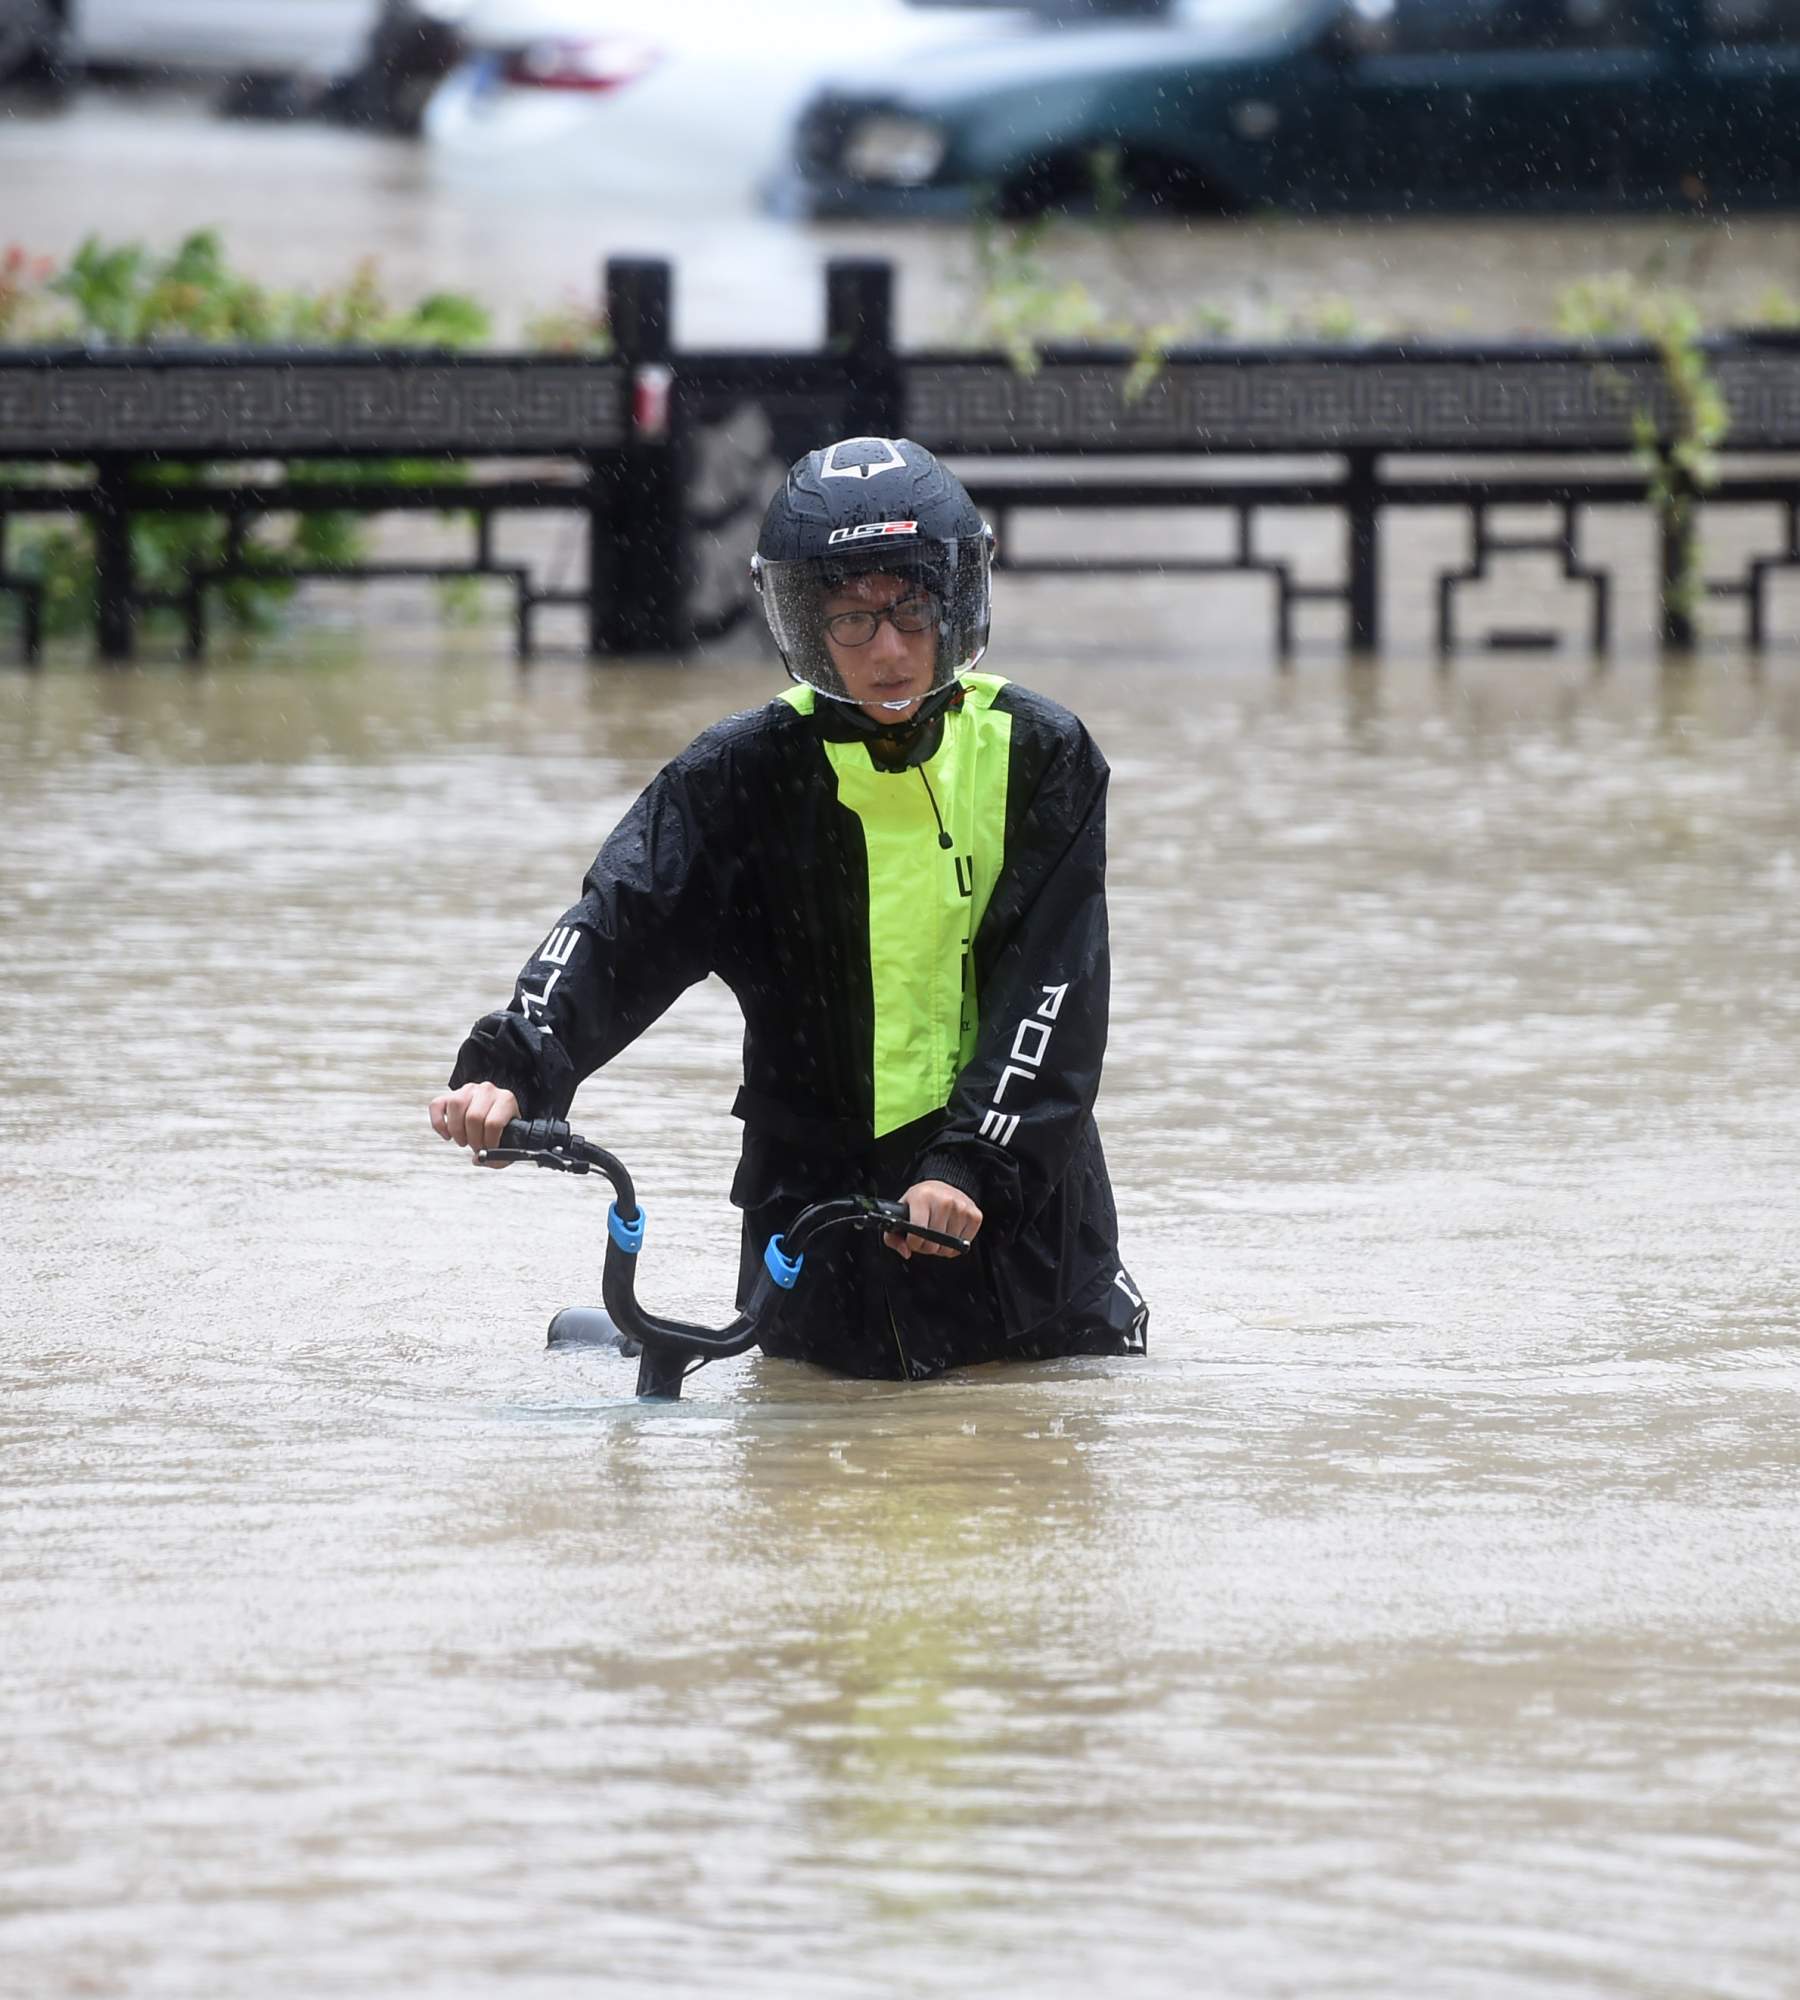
(937,1205)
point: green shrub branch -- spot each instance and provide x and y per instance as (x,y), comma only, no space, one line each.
(123,295)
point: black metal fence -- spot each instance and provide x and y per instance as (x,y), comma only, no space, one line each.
(669,457)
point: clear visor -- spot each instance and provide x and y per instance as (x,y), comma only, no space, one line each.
(826,611)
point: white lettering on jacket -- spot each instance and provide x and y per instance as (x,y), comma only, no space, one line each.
(556,951)
(532,1004)
(1030,1046)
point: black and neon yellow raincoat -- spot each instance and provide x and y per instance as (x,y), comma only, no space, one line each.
(921,959)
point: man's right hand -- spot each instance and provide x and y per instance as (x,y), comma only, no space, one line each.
(474,1116)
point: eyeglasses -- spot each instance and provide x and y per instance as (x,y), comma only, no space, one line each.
(906,614)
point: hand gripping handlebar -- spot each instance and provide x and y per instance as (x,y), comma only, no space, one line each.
(672,1348)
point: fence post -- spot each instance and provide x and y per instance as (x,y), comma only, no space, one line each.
(636,527)
(859,325)
(602,568)
(115,619)
(1675,544)
(1362,515)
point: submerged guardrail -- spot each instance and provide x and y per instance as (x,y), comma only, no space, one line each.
(669,456)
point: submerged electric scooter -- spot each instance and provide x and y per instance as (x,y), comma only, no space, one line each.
(671,1349)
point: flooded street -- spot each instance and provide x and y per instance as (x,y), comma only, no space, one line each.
(1422,1616)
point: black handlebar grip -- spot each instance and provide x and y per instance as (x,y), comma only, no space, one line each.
(534,1135)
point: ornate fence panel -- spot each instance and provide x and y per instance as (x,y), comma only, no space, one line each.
(124,415)
(671,456)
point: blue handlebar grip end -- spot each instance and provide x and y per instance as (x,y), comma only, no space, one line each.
(785,1270)
(629,1236)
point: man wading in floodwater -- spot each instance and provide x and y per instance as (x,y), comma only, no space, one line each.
(899,868)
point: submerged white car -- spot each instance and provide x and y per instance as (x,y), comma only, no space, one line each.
(306,38)
(363,62)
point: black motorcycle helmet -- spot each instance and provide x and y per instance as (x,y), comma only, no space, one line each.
(873,506)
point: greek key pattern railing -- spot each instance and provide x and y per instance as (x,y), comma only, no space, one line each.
(82,406)
(1332,401)
(670,457)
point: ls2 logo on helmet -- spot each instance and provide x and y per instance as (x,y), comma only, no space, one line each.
(869,531)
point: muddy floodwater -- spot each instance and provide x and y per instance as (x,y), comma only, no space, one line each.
(1422,1616)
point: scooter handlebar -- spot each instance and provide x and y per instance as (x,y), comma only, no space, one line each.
(891,1215)
(670,1346)
(548,1142)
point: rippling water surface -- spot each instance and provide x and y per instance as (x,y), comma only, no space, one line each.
(1422,1616)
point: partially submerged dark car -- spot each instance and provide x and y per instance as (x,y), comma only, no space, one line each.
(1309,105)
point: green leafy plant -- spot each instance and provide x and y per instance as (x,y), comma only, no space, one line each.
(1680,458)
(1331,318)
(1021,304)
(1020,298)
(22,282)
(1777,310)
(123,295)
(570,328)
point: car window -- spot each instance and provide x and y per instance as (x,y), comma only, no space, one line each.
(1740,21)
(1455,27)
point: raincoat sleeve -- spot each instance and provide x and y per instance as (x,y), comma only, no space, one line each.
(1024,1102)
(641,934)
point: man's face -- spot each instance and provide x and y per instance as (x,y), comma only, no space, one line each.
(894,665)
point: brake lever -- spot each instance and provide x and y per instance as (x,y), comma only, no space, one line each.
(894,1215)
(563,1163)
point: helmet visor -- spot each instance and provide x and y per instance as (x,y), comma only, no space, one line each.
(824,610)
